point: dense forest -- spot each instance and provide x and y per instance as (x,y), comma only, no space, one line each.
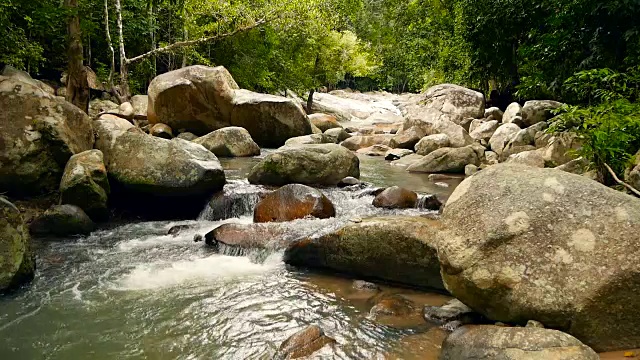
(583,53)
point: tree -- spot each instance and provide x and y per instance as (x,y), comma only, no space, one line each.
(78,92)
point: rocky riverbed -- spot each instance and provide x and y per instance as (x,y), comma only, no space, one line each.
(211,221)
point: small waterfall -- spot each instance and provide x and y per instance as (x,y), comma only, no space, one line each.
(428,202)
(237,199)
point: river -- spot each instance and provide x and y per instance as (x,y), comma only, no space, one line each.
(130,291)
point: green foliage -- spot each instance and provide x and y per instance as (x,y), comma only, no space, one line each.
(610,132)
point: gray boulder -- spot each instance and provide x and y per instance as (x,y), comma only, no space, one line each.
(85,184)
(536,111)
(397,249)
(358,142)
(447,160)
(456,101)
(513,114)
(229,142)
(523,243)
(17,262)
(62,220)
(324,164)
(502,136)
(336,135)
(513,343)
(38,135)
(431,143)
(431,122)
(485,130)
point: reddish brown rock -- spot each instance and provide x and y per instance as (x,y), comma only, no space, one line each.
(304,343)
(396,197)
(248,236)
(324,122)
(292,202)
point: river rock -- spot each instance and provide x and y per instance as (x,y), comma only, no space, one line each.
(229,142)
(187,136)
(485,130)
(502,136)
(324,122)
(493,113)
(447,160)
(530,158)
(431,122)
(513,115)
(23,76)
(292,202)
(453,310)
(304,343)
(156,177)
(307,140)
(336,136)
(396,249)
(561,149)
(456,101)
(392,305)
(349,181)
(431,143)
(196,98)
(17,262)
(140,104)
(270,120)
(631,176)
(126,109)
(161,131)
(62,220)
(201,99)
(395,154)
(396,197)
(38,135)
(375,150)
(98,106)
(358,142)
(407,139)
(85,184)
(562,247)
(324,164)
(536,111)
(479,342)
(269,236)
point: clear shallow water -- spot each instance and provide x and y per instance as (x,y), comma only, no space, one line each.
(134,292)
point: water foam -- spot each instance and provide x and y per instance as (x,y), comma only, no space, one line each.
(216,268)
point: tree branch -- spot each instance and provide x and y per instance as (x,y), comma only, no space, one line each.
(615,177)
(200,41)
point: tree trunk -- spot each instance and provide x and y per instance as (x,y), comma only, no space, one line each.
(152,31)
(77,85)
(310,101)
(112,53)
(124,65)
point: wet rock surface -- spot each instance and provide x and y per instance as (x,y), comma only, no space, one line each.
(292,202)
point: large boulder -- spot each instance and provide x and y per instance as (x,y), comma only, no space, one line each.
(336,135)
(85,184)
(17,262)
(38,135)
(502,136)
(196,98)
(513,114)
(485,130)
(632,175)
(355,143)
(270,119)
(62,220)
(447,160)
(396,197)
(229,142)
(431,122)
(261,236)
(456,101)
(307,140)
(324,122)
(294,201)
(395,249)
(140,104)
(97,106)
(524,243)
(324,164)
(513,343)
(156,177)
(561,149)
(431,143)
(23,76)
(201,99)
(536,111)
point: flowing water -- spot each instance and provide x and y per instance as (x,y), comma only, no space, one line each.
(133,292)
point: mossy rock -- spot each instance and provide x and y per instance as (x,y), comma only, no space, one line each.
(17,263)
